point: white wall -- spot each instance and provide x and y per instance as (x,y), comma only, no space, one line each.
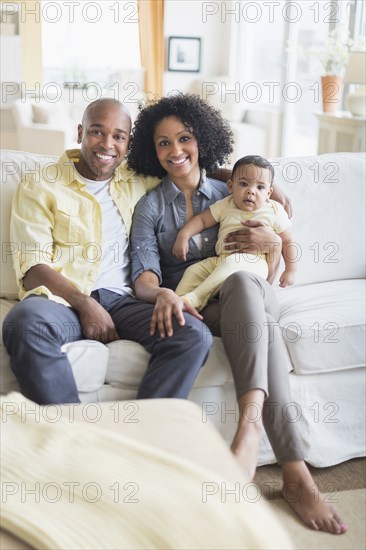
(187,18)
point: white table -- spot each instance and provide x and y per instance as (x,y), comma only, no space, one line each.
(341,132)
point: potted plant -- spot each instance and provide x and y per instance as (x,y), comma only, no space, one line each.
(334,58)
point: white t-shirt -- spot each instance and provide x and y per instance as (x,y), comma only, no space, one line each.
(114,271)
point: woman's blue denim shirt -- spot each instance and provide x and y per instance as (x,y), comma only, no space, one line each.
(156,221)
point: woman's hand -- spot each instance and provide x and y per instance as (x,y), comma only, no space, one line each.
(169,304)
(255,238)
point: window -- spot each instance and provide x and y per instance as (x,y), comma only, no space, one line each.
(90,42)
(287,80)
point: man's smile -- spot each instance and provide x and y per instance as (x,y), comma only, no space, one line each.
(104,157)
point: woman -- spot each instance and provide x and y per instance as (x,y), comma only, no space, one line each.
(177,138)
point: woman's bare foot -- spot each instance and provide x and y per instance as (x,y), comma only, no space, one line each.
(245,446)
(301,493)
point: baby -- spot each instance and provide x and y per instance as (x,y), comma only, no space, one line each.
(250,187)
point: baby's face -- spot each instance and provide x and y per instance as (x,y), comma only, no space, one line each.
(250,187)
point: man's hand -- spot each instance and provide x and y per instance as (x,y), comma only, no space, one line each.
(255,238)
(96,322)
(168,303)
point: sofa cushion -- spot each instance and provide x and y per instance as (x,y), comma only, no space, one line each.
(15,165)
(82,354)
(128,362)
(323,325)
(328,226)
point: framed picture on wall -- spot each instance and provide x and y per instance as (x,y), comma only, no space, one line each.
(184,54)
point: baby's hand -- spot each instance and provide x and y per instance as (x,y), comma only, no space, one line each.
(287,278)
(180,248)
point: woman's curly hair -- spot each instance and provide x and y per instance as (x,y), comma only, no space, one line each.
(211,130)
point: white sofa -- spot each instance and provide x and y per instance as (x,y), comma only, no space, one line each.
(46,127)
(322,316)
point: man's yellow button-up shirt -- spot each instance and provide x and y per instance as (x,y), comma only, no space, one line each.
(57,222)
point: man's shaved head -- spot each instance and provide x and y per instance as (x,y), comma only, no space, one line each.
(104,103)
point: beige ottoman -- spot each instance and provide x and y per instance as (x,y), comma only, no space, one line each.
(176,427)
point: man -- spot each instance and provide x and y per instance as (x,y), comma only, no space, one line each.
(73,272)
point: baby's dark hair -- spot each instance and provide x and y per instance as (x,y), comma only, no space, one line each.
(211,130)
(257,161)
